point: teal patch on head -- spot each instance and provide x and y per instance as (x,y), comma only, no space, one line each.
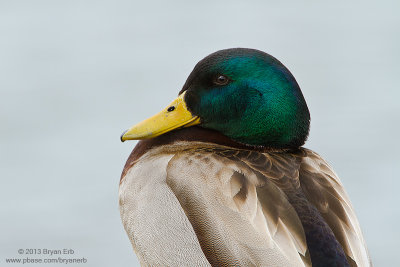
(261,105)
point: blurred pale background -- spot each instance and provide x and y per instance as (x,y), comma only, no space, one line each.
(74,74)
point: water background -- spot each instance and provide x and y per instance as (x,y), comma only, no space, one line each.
(74,74)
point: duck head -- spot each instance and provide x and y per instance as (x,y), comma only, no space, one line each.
(245,94)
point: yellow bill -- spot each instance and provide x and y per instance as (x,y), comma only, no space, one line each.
(175,115)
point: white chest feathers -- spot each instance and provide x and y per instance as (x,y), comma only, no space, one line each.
(157,226)
(170,203)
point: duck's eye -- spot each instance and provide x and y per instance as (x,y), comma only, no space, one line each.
(171,108)
(221,80)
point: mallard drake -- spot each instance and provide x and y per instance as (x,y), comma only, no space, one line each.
(221,178)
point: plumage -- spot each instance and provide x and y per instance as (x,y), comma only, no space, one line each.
(200,196)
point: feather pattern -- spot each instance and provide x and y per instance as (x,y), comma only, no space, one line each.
(241,207)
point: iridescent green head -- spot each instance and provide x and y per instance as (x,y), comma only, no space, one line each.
(250,97)
(245,94)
